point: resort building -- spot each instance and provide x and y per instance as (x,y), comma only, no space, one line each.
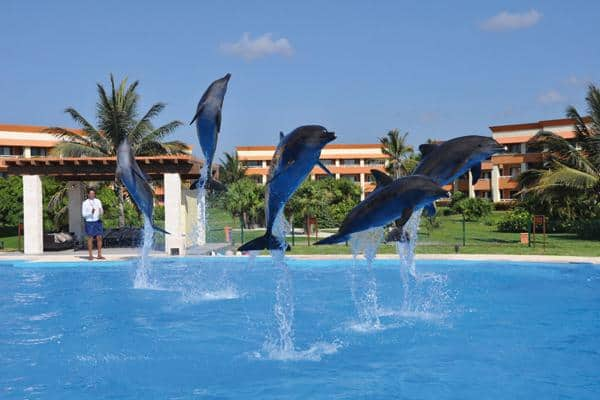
(346,161)
(498,180)
(29,141)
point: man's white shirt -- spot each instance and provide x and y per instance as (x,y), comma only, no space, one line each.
(86,210)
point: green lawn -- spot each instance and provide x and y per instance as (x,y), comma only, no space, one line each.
(481,238)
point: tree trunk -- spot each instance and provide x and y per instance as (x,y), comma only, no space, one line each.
(308,230)
(121,206)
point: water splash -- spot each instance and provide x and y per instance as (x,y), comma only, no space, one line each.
(364,288)
(201,227)
(142,273)
(424,295)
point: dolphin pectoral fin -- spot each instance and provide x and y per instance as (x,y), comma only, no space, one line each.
(324,168)
(381,178)
(406,214)
(218,121)
(475,173)
(142,176)
(198,111)
(427,148)
(430,210)
(333,239)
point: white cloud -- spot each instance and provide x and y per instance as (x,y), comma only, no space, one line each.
(507,21)
(551,96)
(262,46)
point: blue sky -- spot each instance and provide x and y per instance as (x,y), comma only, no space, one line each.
(434,69)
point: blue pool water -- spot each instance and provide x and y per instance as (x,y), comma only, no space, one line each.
(206,329)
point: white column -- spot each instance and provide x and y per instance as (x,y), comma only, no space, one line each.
(470,183)
(495,184)
(523,167)
(337,164)
(264,179)
(33,217)
(362,186)
(172,186)
(27,152)
(75,194)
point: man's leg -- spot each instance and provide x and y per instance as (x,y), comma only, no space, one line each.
(99,243)
(90,246)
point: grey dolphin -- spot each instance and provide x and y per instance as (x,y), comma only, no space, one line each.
(208,126)
(295,156)
(387,204)
(136,182)
(447,161)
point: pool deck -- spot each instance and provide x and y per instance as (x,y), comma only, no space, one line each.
(130,254)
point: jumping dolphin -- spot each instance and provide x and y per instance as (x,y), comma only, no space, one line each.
(294,158)
(449,160)
(208,126)
(387,204)
(136,182)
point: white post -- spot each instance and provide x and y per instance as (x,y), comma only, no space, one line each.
(33,216)
(75,194)
(523,167)
(172,186)
(362,186)
(495,184)
(471,187)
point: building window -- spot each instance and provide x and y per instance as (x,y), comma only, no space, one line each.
(351,177)
(482,194)
(350,162)
(319,177)
(5,151)
(374,161)
(253,163)
(514,148)
(486,175)
(514,171)
(256,178)
(39,152)
(327,161)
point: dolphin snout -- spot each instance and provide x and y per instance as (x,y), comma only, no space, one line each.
(328,136)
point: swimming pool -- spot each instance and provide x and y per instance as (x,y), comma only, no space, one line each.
(207,329)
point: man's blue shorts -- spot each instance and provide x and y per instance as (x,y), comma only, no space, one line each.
(94,228)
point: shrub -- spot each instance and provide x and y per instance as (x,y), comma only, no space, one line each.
(515,221)
(473,209)
(588,229)
(505,205)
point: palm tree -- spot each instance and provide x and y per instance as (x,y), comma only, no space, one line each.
(569,172)
(232,169)
(395,147)
(116,119)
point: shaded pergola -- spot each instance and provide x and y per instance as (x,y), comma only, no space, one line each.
(170,169)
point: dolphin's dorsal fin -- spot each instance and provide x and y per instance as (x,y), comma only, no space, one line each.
(281,135)
(427,148)
(381,179)
(475,173)
(198,111)
(324,168)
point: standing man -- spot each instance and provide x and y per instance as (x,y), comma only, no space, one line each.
(92,211)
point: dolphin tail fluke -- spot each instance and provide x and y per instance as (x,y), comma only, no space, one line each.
(215,185)
(267,241)
(210,184)
(333,239)
(159,229)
